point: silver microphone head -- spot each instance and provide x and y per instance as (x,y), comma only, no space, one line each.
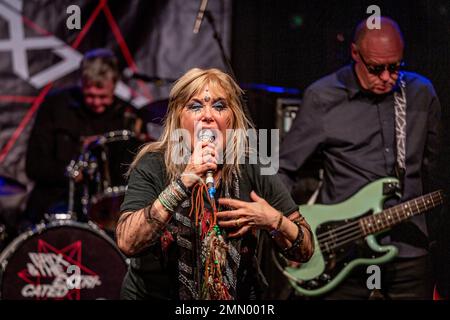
(206,135)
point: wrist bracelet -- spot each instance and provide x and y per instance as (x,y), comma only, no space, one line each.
(297,242)
(276,231)
(172,196)
(183,186)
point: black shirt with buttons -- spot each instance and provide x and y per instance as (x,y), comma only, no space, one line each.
(354,130)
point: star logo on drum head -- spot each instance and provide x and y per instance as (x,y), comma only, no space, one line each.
(46,273)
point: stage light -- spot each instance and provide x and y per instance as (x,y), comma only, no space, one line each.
(296,21)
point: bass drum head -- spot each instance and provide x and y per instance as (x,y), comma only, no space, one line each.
(59,261)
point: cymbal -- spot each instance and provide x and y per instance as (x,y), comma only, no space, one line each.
(10,186)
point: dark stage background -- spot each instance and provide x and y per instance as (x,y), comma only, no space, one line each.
(277,49)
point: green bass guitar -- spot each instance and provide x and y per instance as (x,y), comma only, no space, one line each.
(344,235)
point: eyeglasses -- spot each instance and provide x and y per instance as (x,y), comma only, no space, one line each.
(378,69)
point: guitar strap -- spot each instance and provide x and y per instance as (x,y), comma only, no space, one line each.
(400,128)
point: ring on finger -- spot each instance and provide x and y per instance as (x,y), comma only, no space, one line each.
(237,223)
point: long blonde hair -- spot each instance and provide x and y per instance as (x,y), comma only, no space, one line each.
(182,91)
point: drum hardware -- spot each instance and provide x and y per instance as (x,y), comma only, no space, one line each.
(60,216)
(85,201)
(70,205)
(107,181)
(73,169)
(113,136)
(102,164)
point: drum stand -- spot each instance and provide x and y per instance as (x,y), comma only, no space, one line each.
(71,197)
(72,171)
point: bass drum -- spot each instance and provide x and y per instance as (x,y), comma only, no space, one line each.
(62,260)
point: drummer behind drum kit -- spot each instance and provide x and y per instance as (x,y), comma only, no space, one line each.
(69,259)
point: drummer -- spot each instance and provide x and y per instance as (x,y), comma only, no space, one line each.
(68,120)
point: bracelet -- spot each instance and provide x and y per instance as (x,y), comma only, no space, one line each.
(172,196)
(297,242)
(276,231)
(183,186)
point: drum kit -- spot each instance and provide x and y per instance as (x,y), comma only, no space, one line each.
(72,255)
(100,170)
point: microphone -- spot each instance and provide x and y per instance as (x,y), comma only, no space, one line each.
(200,14)
(208,135)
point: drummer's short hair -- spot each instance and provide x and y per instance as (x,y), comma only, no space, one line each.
(99,66)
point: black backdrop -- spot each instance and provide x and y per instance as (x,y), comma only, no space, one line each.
(279,42)
(293,43)
(269,48)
